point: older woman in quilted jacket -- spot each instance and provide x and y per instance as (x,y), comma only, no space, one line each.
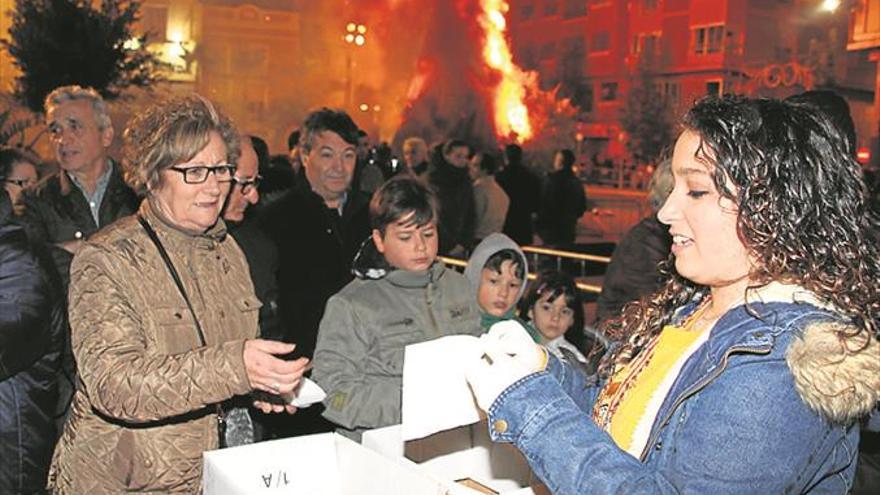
(163,340)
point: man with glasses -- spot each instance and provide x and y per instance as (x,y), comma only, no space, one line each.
(18,171)
(261,254)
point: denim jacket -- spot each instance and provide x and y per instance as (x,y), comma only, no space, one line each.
(767,405)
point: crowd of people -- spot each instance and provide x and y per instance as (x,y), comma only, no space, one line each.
(172,301)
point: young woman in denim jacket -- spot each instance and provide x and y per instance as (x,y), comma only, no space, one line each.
(749,370)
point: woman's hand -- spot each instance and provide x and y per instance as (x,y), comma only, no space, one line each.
(268,408)
(269,373)
(507,355)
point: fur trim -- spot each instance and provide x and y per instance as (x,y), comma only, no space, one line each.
(836,373)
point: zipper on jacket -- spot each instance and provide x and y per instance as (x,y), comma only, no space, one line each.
(429,289)
(700,385)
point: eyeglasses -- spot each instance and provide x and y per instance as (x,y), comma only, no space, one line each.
(20,182)
(199,173)
(247,184)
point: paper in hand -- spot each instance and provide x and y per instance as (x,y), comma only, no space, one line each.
(307,393)
(436,394)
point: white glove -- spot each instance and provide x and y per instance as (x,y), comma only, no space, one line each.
(492,373)
(508,355)
(509,337)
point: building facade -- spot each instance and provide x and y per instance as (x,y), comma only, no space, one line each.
(693,47)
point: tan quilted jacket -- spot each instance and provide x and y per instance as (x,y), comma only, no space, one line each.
(143,410)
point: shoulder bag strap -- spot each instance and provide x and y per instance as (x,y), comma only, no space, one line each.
(155,238)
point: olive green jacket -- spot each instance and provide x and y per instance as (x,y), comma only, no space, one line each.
(366,326)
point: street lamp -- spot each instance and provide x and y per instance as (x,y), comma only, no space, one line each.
(830,5)
(355,34)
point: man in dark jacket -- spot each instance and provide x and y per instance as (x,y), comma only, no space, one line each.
(31,327)
(450,180)
(318,227)
(524,191)
(563,201)
(87,194)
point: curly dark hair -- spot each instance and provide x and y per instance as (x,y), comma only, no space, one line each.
(802,213)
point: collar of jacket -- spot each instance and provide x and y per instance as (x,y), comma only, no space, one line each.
(836,368)
(176,235)
(65,185)
(416,280)
(6,210)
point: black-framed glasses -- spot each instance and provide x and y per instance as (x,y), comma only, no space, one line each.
(247,184)
(19,182)
(199,173)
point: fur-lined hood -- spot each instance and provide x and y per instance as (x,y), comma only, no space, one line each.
(836,368)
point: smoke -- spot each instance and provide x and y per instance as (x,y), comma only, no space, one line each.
(421,66)
(447,96)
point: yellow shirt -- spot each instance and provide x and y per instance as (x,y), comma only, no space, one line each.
(628,404)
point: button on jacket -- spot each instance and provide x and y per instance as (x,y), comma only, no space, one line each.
(766,405)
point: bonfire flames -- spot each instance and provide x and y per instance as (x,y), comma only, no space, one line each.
(467,85)
(511,115)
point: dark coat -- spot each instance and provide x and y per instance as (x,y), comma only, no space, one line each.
(524,191)
(31,326)
(316,247)
(563,201)
(56,211)
(633,270)
(455,195)
(262,258)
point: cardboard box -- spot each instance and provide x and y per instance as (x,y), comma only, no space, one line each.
(324,464)
(443,430)
(463,453)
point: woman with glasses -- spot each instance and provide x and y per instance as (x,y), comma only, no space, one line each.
(18,171)
(164,318)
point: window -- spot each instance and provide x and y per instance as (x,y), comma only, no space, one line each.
(671,91)
(551,7)
(600,42)
(548,50)
(709,39)
(527,57)
(526,12)
(574,8)
(649,4)
(713,88)
(646,43)
(608,91)
(154,19)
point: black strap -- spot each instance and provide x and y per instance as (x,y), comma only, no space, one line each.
(221,416)
(155,238)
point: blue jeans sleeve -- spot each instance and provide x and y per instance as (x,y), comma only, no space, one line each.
(715,444)
(581,388)
(565,449)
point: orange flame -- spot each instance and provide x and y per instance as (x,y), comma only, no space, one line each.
(511,114)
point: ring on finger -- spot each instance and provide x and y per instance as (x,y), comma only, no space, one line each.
(276,387)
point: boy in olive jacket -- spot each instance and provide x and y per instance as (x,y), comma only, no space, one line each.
(401,295)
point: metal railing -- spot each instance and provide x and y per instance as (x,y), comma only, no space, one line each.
(536,251)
